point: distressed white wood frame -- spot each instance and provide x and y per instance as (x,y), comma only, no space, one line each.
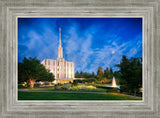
(149,107)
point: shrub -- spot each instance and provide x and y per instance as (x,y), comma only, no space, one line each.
(75,82)
(123,89)
(109,89)
(37,85)
(81,87)
(113,90)
(66,87)
(23,85)
(74,88)
(91,87)
(109,81)
(57,87)
(20,86)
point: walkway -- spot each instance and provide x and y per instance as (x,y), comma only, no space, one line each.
(26,90)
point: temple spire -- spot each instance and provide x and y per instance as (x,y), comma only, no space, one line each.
(60,49)
(60,45)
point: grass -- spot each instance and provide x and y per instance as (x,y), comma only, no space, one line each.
(51,89)
(39,89)
(71,96)
(95,90)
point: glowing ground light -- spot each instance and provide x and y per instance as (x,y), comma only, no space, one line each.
(54,82)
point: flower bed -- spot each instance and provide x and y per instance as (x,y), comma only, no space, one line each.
(74,88)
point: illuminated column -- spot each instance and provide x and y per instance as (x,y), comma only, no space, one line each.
(63,69)
(66,70)
(55,69)
(70,72)
(73,70)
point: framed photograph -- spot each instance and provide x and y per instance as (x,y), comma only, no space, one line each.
(79,59)
(85,59)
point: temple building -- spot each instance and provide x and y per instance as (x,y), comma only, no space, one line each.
(61,69)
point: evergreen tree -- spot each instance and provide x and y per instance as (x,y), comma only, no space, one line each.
(93,75)
(111,71)
(77,74)
(100,73)
(124,66)
(81,73)
(130,74)
(107,73)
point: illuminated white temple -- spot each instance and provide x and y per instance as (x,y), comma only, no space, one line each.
(62,70)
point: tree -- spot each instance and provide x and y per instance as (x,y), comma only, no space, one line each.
(21,75)
(93,75)
(99,73)
(130,74)
(111,71)
(124,66)
(81,73)
(32,70)
(77,74)
(103,80)
(84,75)
(107,73)
(135,70)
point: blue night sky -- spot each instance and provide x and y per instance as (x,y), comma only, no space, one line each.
(88,42)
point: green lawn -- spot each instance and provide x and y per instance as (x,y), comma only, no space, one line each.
(70,96)
(39,89)
(51,89)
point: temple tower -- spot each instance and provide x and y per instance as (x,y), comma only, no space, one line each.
(60,49)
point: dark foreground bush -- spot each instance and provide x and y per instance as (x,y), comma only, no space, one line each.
(123,89)
(109,89)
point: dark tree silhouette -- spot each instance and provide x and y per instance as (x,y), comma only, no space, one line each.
(130,74)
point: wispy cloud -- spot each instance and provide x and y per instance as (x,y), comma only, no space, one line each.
(89,43)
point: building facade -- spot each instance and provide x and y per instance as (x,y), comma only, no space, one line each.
(61,69)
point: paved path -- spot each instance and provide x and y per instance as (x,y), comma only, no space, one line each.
(61,91)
